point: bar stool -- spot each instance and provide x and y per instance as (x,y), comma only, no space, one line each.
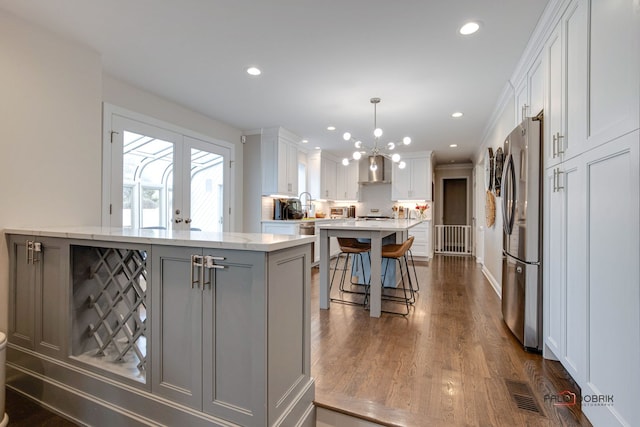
(350,248)
(399,252)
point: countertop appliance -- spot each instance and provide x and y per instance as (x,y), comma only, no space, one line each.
(287,209)
(522,234)
(339,212)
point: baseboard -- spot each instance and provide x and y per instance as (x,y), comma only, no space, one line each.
(87,398)
(497,287)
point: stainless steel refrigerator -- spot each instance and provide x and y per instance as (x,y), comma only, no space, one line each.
(522,237)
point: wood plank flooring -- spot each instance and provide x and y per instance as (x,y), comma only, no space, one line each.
(446,364)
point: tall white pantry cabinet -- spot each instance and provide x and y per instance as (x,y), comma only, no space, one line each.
(592,202)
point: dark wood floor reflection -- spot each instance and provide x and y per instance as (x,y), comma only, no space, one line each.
(450,362)
(23,412)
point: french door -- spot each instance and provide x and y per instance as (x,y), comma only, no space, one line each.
(162,179)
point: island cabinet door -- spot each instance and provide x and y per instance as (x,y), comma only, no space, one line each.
(176,333)
(38,293)
(233,336)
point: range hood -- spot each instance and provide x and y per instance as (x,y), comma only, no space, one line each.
(381,174)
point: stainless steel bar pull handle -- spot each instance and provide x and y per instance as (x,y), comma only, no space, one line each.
(558,137)
(208,264)
(29,248)
(558,186)
(555,180)
(196,277)
(37,248)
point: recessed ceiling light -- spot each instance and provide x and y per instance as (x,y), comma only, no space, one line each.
(457,114)
(304,141)
(254,71)
(317,148)
(453,145)
(331,128)
(469,28)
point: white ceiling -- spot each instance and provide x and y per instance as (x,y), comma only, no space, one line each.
(322,61)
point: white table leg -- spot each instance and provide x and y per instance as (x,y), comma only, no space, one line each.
(375,300)
(325,260)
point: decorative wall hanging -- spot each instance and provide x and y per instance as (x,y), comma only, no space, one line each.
(488,169)
(490,209)
(499,163)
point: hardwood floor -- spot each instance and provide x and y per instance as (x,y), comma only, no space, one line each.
(24,412)
(451,362)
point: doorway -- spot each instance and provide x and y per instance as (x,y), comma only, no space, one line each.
(161,179)
(454,201)
(453,236)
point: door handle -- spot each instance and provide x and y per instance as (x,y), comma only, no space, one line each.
(188,221)
(509,195)
(177,220)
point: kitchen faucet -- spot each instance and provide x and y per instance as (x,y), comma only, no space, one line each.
(307,207)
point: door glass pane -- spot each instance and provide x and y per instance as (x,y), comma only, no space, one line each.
(127,206)
(207,184)
(147,181)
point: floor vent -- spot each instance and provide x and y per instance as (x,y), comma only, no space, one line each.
(523,396)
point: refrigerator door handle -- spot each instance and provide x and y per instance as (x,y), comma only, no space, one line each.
(509,198)
(507,254)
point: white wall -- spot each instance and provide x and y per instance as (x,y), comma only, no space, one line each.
(50,156)
(492,251)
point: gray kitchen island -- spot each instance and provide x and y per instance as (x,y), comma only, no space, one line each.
(154,327)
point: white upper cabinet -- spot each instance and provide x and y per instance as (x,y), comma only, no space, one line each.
(279,157)
(614,67)
(530,92)
(566,101)
(414,181)
(347,182)
(323,170)
(553,107)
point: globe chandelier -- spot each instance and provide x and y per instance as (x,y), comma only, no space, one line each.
(377,149)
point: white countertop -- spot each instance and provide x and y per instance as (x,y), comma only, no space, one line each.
(202,239)
(360,224)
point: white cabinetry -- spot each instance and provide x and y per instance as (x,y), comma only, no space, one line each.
(530,92)
(592,201)
(567,69)
(414,181)
(347,182)
(288,228)
(565,257)
(591,276)
(323,169)
(421,233)
(279,157)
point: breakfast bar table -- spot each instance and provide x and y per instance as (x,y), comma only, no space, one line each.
(376,230)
